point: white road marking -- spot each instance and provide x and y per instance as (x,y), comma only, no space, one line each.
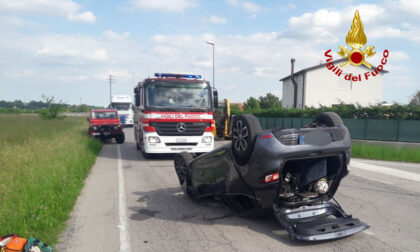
(370,178)
(381,162)
(124,237)
(387,171)
(368,232)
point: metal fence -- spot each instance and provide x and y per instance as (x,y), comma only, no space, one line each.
(369,129)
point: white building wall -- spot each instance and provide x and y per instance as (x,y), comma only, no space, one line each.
(325,88)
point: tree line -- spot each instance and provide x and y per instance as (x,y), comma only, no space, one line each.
(271,106)
(33,106)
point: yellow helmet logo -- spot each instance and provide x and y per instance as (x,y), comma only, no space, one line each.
(356,39)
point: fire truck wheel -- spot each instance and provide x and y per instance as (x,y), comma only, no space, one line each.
(146,155)
(244,130)
(329,119)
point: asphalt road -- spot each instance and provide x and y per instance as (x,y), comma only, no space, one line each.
(132,204)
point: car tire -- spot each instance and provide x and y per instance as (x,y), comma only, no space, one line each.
(120,139)
(328,119)
(180,162)
(244,130)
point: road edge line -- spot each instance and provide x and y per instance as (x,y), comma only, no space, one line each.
(124,237)
(387,171)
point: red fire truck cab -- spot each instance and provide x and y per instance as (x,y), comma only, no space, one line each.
(174,113)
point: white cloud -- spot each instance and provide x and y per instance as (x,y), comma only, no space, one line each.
(11,21)
(229,88)
(84,17)
(69,47)
(385,32)
(246,5)
(251,7)
(65,8)
(158,38)
(287,7)
(80,77)
(28,72)
(328,26)
(410,33)
(50,7)
(24,73)
(117,74)
(241,60)
(407,6)
(164,5)
(259,55)
(217,20)
(109,34)
(263,71)
(398,56)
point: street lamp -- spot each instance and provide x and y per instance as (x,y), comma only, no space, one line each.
(212,44)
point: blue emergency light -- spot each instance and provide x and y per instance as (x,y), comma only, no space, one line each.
(172,75)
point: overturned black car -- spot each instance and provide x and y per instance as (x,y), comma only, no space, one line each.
(295,172)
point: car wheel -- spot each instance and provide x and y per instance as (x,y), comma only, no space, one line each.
(328,119)
(244,130)
(180,162)
(120,138)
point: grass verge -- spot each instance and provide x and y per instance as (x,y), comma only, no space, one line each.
(43,168)
(381,152)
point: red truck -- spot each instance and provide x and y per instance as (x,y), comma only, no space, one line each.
(105,124)
(174,113)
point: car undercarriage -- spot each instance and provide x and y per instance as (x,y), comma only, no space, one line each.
(293,172)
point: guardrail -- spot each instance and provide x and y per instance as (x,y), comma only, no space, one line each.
(367,129)
(79,114)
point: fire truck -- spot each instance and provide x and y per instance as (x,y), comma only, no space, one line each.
(174,113)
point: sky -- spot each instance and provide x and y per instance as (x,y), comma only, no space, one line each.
(68,48)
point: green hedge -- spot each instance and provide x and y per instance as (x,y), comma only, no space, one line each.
(17,111)
(403,112)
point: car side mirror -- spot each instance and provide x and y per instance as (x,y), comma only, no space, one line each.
(215,98)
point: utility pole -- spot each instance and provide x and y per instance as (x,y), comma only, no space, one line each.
(110,88)
(212,43)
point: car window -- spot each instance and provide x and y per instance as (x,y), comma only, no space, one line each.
(104,115)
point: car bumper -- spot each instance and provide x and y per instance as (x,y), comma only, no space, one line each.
(106,135)
(176,144)
(129,122)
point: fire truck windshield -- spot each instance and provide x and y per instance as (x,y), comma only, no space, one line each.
(178,96)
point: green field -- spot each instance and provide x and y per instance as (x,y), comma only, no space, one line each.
(43,167)
(382,152)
